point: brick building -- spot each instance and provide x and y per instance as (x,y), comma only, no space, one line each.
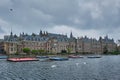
(55,43)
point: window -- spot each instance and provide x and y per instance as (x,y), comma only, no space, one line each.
(11,44)
(11,49)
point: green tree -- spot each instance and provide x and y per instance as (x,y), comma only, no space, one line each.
(63,51)
(33,34)
(41,51)
(34,51)
(16,53)
(105,50)
(26,50)
(116,52)
(69,50)
(117,49)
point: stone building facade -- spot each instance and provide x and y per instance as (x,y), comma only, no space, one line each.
(56,43)
(10,47)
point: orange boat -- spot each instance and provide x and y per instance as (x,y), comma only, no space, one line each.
(22,59)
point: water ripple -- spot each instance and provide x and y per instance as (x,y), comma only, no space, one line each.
(105,68)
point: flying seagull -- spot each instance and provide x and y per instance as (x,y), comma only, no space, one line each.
(11,9)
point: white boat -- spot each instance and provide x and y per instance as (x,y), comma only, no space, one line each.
(58,58)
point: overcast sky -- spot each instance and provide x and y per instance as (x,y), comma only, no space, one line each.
(93,18)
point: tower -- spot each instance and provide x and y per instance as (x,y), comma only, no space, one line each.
(71,35)
(40,32)
(11,33)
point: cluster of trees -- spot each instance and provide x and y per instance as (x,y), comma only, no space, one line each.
(66,51)
(28,51)
(116,52)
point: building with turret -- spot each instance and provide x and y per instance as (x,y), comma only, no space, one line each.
(55,43)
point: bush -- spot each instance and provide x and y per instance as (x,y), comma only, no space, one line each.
(115,52)
(41,51)
(63,51)
(26,50)
(34,51)
(16,53)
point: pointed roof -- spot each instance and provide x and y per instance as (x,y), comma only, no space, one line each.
(71,35)
(11,33)
(40,32)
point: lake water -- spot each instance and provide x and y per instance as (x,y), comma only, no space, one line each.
(105,68)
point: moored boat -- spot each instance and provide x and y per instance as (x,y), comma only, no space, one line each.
(22,59)
(3,57)
(75,56)
(42,57)
(58,59)
(94,57)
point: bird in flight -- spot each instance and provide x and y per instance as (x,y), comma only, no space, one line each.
(11,9)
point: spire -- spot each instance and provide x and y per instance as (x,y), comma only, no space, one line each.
(20,34)
(100,38)
(11,33)
(46,33)
(40,32)
(71,35)
(106,37)
(23,33)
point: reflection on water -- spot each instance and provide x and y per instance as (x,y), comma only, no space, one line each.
(105,68)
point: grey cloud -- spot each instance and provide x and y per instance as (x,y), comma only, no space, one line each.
(1,30)
(100,15)
(106,10)
(42,12)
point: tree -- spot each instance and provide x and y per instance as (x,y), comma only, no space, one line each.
(26,50)
(41,51)
(16,53)
(69,50)
(34,51)
(33,34)
(116,52)
(63,51)
(105,50)
(117,49)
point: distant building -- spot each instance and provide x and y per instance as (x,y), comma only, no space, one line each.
(119,45)
(55,43)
